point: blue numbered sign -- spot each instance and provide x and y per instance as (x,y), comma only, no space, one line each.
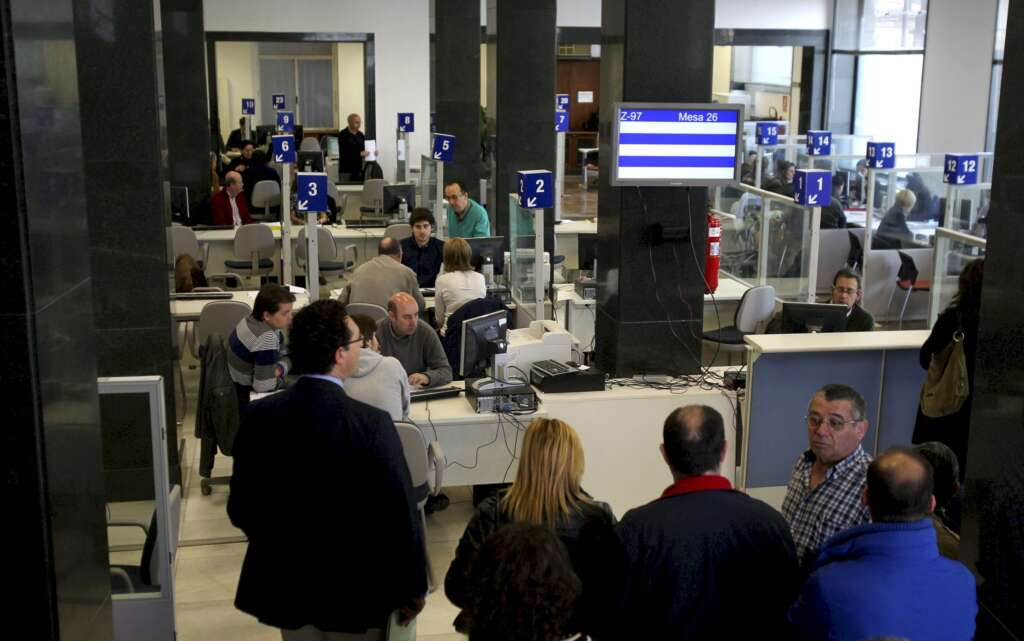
(881,155)
(819,143)
(561,121)
(561,101)
(960,169)
(285,121)
(813,187)
(444,147)
(767,133)
(407,123)
(535,189)
(283,148)
(248,106)
(277,100)
(311,192)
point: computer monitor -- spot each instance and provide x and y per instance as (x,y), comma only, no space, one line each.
(482,338)
(483,246)
(671,144)
(587,248)
(329,145)
(810,318)
(394,193)
(310,161)
(263,134)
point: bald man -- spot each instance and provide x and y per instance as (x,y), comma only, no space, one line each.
(376,280)
(228,206)
(351,150)
(886,578)
(413,342)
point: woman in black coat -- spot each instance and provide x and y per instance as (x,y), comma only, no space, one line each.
(960,316)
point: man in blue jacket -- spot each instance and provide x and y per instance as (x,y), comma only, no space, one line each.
(886,578)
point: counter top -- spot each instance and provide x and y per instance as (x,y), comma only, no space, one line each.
(845,341)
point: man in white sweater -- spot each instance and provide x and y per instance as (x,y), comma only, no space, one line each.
(379,381)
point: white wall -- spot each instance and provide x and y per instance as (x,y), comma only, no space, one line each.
(773,14)
(236,79)
(402,47)
(351,81)
(957,74)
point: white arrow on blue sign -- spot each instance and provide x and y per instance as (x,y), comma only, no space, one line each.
(561,101)
(311,191)
(960,169)
(283,148)
(819,143)
(407,122)
(767,133)
(561,121)
(535,189)
(813,187)
(285,121)
(277,100)
(444,147)
(248,106)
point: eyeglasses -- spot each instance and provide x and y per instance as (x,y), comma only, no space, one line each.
(353,341)
(836,424)
(845,290)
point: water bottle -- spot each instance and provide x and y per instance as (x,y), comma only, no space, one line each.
(488,269)
(403,209)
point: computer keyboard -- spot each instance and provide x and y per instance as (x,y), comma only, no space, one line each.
(434,393)
(427,291)
(551,367)
(201,296)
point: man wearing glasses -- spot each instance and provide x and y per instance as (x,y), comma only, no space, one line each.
(824,493)
(846,290)
(466,217)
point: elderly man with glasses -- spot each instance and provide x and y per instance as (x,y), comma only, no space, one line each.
(824,493)
(846,290)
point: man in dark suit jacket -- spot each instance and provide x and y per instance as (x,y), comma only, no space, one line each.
(846,290)
(693,555)
(228,206)
(322,490)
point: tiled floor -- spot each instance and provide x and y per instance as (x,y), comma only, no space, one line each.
(211,551)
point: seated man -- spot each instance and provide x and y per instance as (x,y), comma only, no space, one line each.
(242,162)
(846,291)
(692,554)
(466,217)
(823,496)
(379,381)
(378,278)
(886,578)
(228,206)
(946,474)
(256,356)
(421,252)
(832,215)
(413,342)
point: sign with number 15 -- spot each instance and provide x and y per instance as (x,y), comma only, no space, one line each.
(312,192)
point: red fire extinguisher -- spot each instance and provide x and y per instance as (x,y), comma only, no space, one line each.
(713,257)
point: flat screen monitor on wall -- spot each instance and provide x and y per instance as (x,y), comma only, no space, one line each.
(673,144)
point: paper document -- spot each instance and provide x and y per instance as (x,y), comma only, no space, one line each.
(371,148)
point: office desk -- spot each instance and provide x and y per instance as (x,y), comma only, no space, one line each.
(882,366)
(567,239)
(189,310)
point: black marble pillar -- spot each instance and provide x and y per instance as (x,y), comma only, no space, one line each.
(521,38)
(650,302)
(188,122)
(120,80)
(994,498)
(55,569)
(457,73)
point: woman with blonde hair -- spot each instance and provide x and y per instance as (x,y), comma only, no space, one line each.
(546,492)
(458,283)
(893,229)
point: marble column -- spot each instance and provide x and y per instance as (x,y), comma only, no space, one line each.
(994,487)
(521,39)
(120,80)
(650,302)
(55,568)
(188,122)
(457,73)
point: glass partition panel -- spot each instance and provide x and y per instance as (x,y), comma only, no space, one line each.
(522,244)
(969,211)
(908,206)
(741,234)
(428,181)
(785,250)
(953,251)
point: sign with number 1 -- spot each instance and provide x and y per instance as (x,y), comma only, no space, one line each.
(813,187)
(311,190)
(535,189)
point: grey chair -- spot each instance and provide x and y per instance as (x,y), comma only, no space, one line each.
(148,575)
(426,467)
(266,194)
(182,240)
(309,144)
(398,231)
(327,252)
(219,317)
(754,311)
(373,197)
(376,312)
(254,250)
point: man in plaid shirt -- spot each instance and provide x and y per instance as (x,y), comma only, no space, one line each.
(825,492)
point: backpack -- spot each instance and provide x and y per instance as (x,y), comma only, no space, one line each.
(946,386)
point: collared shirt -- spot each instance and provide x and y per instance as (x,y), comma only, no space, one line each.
(236,219)
(326,377)
(473,223)
(425,261)
(831,507)
(702,483)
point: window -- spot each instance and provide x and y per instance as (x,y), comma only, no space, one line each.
(997,76)
(888,98)
(309,79)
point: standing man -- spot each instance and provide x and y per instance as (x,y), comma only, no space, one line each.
(824,493)
(228,206)
(308,570)
(846,290)
(466,217)
(414,343)
(692,554)
(351,150)
(421,252)
(378,278)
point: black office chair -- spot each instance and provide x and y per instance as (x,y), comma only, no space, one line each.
(906,279)
(145,577)
(855,259)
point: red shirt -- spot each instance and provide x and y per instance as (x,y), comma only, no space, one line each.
(702,483)
(220,209)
